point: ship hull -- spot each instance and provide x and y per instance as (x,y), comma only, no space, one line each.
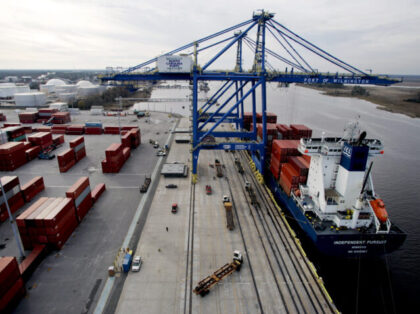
(341,243)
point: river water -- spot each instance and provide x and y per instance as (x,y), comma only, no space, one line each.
(390,284)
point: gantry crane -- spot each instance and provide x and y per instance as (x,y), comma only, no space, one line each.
(239,85)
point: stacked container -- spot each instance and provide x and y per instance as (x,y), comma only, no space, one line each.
(75,129)
(271,117)
(289,178)
(32,153)
(42,139)
(44,129)
(28,117)
(93,128)
(66,160)
(135,137)
(58,139)
(97,192)
(48,221)
(61,117)
(12,156)
(15,133)
(111,130)
(281,149)
(27,129)
(32,188)
(12,287)
(78,145)
(81,196)
(284,132)
(126,139)
(45,114)
(14,196)
(300,131)
(59,129)
(114,159)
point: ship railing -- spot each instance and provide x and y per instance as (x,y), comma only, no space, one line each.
(379,226)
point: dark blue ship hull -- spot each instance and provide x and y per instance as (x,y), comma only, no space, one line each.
(338,243)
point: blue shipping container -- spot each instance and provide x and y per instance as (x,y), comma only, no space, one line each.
(93,124)
(127,262)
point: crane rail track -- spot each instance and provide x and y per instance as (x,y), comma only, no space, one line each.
(289,269)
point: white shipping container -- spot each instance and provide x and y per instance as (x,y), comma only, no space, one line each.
(174,64)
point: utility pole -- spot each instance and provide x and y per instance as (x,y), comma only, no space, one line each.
(12,222)
(119,115)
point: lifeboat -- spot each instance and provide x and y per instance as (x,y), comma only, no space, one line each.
(379,209)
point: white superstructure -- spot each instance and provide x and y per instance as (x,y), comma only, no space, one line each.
(339,187)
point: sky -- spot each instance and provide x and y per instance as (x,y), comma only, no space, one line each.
(381,35)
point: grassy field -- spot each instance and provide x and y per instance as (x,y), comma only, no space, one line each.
(391,98)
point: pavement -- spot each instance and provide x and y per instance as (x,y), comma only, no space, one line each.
(70,280)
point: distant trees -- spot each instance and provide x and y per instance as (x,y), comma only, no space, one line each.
(359,91)
(107,98)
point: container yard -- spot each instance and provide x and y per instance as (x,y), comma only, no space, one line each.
(80,220)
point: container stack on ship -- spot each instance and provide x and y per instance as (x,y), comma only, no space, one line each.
(326,185)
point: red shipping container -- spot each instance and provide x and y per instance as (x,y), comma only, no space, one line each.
(78,187)
(32,188)
(111,130)
(60,225)
(9,273)
(93,130)
(299,164)
(12,297)
(39,220)
(286,185)
(11,147)
(29,264)
(32,153)
(126,153)
(97,191)
(77,141)
(275,167)
(126,140)
(65,158)
(281,149)
(80,154)
(58,139)
(67,166)
(29,220)
(271,117)
(290,173)
(54,217)
(15,202)
(20,220)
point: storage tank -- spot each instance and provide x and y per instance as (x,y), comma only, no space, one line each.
(174,64)
(66,97)
(7,90)
(51,85)
(31,99)
(66,88)
(87,91)
(84,83)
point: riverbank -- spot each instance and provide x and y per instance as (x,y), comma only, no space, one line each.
(390,98)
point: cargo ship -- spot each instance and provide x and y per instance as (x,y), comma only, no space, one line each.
(326,185)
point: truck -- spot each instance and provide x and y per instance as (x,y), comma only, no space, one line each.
(208,189)
(145,186)
(218,165)
(126,264)
(239,166)
(204,286)
(229,215)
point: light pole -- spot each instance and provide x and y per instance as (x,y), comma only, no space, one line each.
(119,116)
(12,222)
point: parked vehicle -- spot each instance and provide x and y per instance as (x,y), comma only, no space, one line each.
(136,265)
(174,209)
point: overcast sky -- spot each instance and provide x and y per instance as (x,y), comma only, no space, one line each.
(383,35)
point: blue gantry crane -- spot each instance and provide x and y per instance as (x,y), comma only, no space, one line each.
(238,85)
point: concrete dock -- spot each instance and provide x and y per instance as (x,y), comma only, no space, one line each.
(178,250)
